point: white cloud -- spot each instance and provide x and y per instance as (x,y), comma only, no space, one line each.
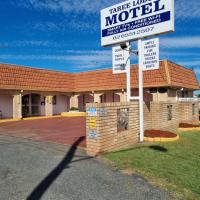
(65,6)
(75,23)
(197,70)
(178,53)
(183,8)
(80,58)
(187,8)
(191,63)
(31,43)
(76,60)
(181,42)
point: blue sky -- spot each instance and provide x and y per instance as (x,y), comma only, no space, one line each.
(65,34)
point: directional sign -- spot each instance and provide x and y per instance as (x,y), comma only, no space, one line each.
(136,19)
(150,54)
(120,59)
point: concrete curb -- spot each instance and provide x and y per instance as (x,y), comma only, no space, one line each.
(29,118)
(80,114)
(73,114)
(189,129)
(161,139)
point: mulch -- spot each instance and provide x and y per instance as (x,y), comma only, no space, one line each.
(159,133)
(185,125)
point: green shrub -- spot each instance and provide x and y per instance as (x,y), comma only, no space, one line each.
(74,109)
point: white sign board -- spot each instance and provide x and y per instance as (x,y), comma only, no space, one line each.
(150,54)
(136,19)
(92,112)
(120,59)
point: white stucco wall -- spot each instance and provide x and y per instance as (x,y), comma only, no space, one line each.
(6,105)
(62,104)
(42,106)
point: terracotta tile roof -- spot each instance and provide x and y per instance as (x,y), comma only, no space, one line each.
(182,77)
(169,75)
(25,78)
(105,80)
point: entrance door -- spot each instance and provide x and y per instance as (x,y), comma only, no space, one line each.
(35,104)
(25,105)
(30,105)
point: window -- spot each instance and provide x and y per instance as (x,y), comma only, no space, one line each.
(184,94)
(35,99)
(169,112)
(54,100)
(193,109)
(162,90)
(122,119)
(153,90)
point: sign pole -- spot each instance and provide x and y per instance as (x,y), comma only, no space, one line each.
(141,94)
(128,76)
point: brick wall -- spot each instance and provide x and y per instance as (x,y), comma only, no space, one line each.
(186,112)
(107,136)
(102,132)
(156,116)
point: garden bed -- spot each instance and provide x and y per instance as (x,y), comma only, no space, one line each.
(159,134)
(185,125)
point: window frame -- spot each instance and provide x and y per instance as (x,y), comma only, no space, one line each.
(169,112)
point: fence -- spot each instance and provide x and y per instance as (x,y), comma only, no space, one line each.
(112,126)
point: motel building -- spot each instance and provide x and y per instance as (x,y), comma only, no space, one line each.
(27,92)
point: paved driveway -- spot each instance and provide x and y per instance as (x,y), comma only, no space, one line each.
(36,170)
(58,130)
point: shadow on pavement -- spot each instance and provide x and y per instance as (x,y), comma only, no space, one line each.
(39,191)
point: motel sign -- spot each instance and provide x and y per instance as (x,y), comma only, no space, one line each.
(136,19)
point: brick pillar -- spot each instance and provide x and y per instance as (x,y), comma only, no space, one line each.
(74,101)
(17,106)
(102,129)
(49,106)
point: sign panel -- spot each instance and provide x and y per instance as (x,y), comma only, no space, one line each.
(103,112)
(92,134)
(120,59)
(92,122)
(92,112)
(150,54)
(136,19)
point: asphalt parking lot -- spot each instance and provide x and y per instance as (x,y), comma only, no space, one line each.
(58,130)
(36,170)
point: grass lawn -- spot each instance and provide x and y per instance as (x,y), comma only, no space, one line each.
(175,166)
